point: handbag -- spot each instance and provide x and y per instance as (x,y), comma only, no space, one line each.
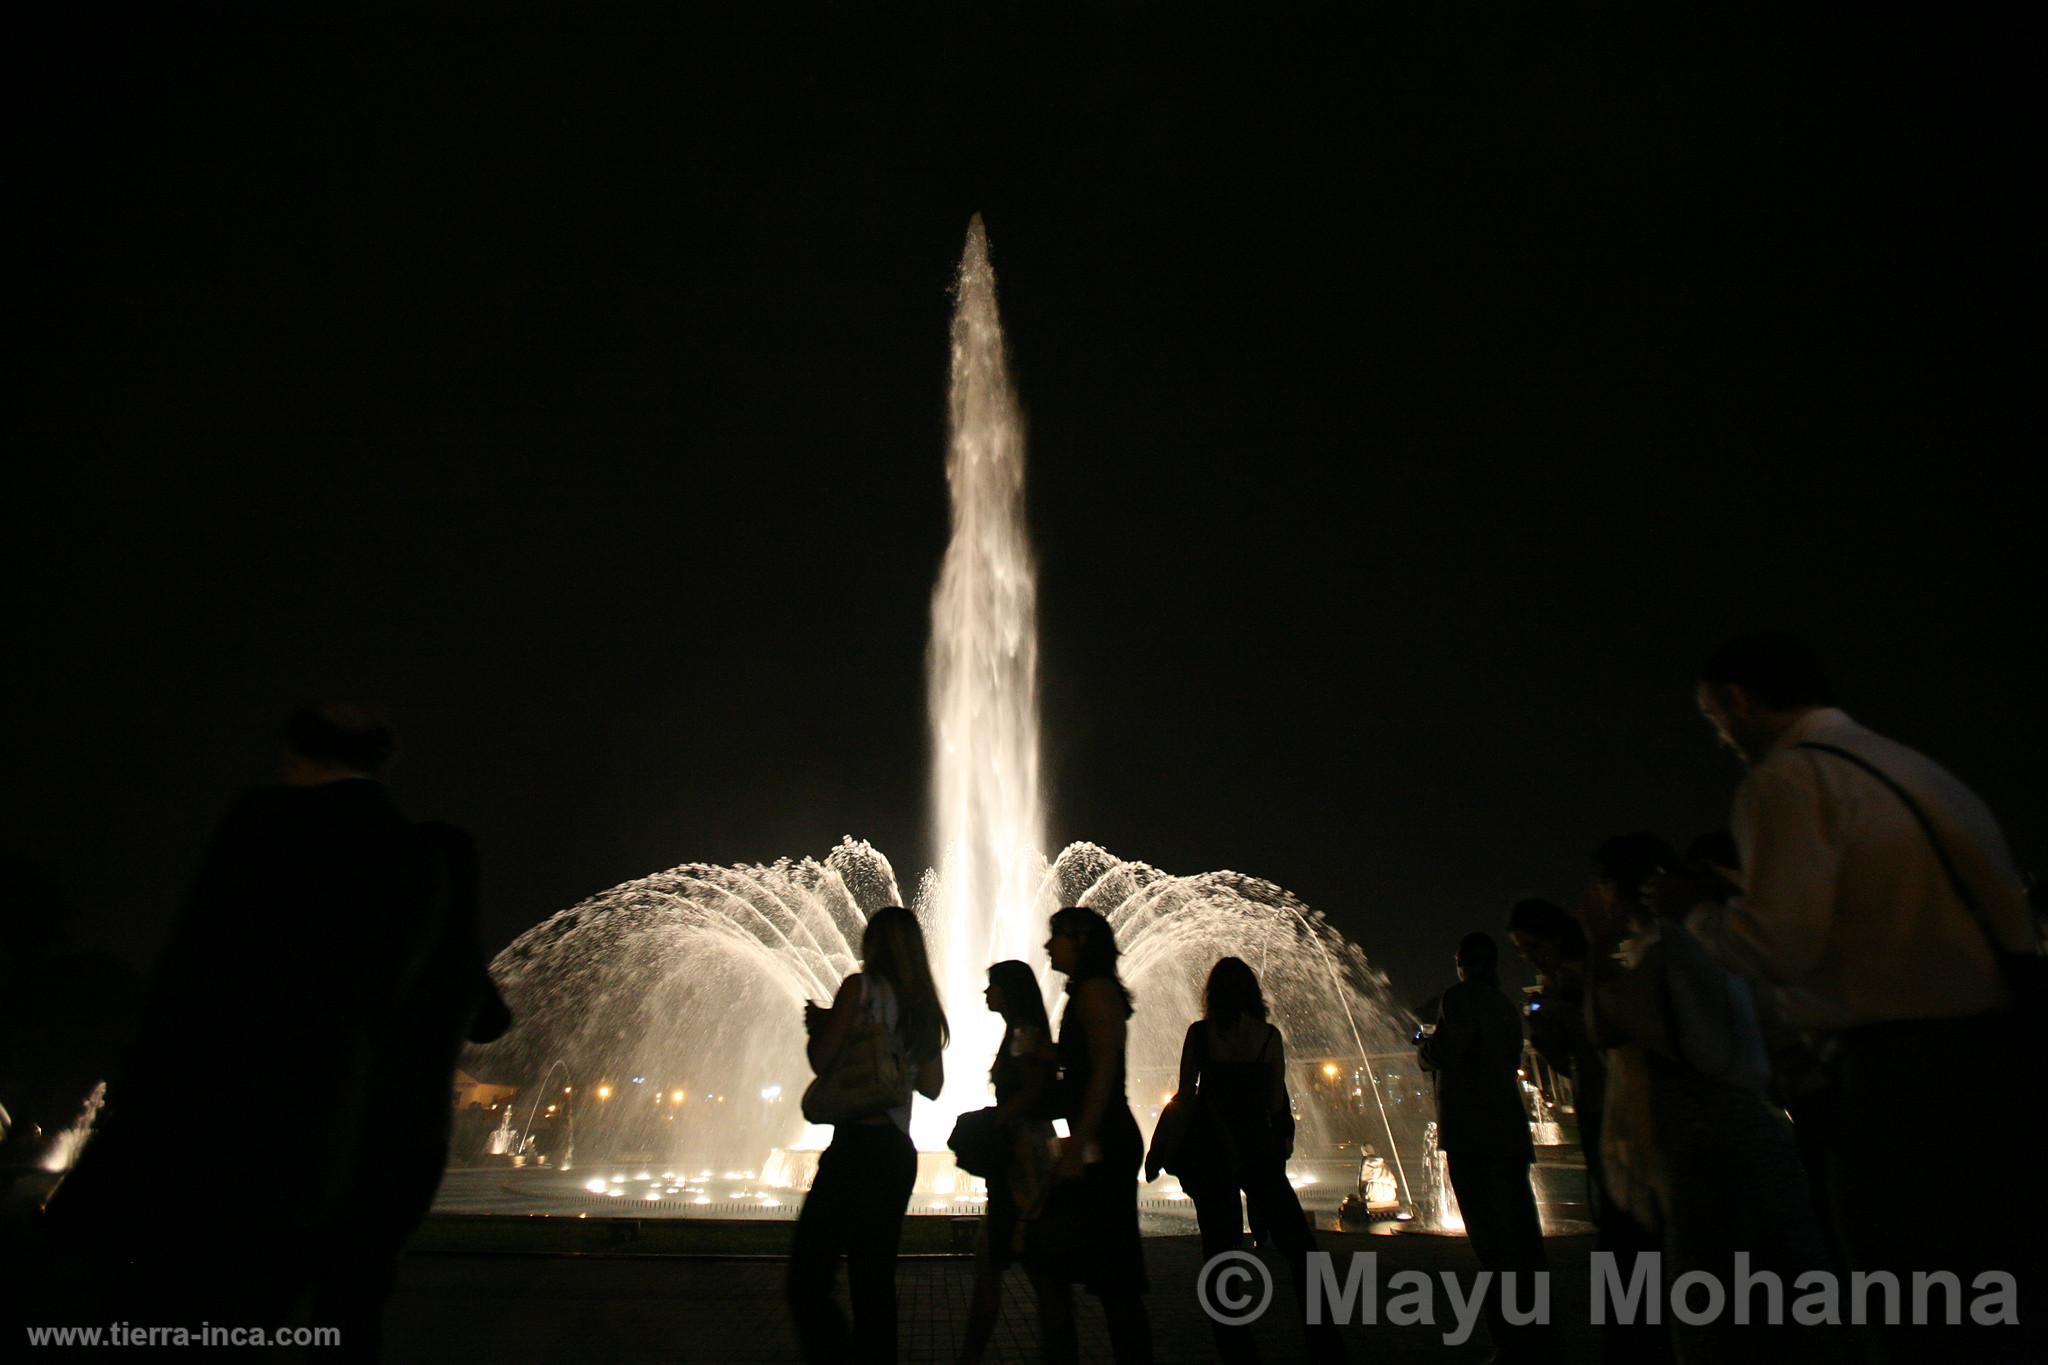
(1189,1140)
(980,1143)
(866,1077)
(2025,973)
(1170,1135)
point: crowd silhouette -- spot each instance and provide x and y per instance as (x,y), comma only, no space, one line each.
(1737,1029)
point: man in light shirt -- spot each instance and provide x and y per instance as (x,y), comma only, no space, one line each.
(1883,945)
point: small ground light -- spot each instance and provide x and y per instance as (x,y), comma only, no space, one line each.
(1330,1070)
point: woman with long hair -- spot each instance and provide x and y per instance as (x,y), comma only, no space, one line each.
(1235,1063)
(1022,1079)
(1089,1231)
(862,1189)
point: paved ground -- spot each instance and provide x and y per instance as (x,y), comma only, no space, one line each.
(509,1309)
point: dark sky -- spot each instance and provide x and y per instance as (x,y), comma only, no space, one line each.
(1412,403)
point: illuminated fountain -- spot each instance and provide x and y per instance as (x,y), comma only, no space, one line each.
(676,999)
(62,1152)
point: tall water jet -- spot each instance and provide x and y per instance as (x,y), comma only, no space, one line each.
(671,1005)
(987,813)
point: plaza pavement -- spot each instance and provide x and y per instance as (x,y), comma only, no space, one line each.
(618,1305)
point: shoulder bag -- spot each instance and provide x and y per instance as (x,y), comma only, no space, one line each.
(866,1077)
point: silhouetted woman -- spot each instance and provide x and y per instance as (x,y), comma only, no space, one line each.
(1236,1061)
(862,1189)
(1023,1085)
(1089,1231)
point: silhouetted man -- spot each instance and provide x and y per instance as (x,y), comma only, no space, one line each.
(230,1167)
(409,1116)
(1878,894)
(1552,942)
(1476,1051)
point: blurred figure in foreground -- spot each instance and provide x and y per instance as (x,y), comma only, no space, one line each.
(1700,1165)
(1882,904)
(296,987)
(409,1121)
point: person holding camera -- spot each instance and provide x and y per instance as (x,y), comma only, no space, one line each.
(1483,1131)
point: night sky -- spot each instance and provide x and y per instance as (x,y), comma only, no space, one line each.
(1412,404)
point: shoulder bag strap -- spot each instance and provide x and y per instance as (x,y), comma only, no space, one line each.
(1955,879)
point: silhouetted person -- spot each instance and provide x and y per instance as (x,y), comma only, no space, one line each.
(398,1165)
(1021,1076)
(1798,1082)
(862,1189)
(307,929)
(1879,899)
(1699,1160)
(1235,1061)
(1483,1131)
(1089,1232)
(1551,941)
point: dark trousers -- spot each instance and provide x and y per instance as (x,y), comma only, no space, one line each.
(1276,1212)
(855,1209)
(1943,1118)
(1640,1342)
(1499,1207)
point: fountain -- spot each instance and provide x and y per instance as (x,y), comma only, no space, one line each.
(62,1152)
(683,990)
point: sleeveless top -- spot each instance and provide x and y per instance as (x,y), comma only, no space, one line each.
(1239,1095)
(1122,1148)
(1075,1064)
